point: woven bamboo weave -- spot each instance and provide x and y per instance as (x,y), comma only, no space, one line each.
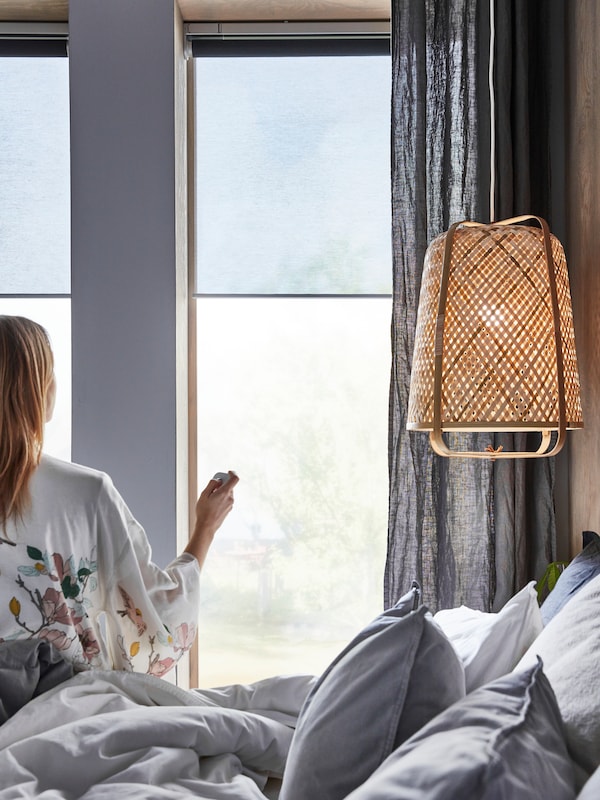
(499,365)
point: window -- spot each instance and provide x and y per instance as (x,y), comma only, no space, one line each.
(34,197)
(293,282)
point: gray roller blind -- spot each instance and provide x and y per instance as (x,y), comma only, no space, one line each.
(292,174)
(34,176)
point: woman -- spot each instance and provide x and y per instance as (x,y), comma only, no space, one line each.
(75,566)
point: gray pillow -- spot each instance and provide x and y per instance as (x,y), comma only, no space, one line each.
(504,741)
(395,676)
(569,646)
(582,569)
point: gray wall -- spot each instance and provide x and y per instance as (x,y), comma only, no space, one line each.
(128,302)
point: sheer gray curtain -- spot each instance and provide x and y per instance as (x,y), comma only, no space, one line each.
(469,531)
(530,132)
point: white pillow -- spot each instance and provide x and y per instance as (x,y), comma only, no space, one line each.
(569,646)
(490,645)
(591,790)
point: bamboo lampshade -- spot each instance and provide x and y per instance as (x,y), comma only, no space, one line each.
(495,345)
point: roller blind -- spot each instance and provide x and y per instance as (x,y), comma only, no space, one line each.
(34,165)
(291,157)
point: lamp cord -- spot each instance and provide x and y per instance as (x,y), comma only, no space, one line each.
(492,116)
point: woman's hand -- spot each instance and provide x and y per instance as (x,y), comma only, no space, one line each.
(214,504)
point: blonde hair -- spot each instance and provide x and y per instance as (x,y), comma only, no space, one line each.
(26,371)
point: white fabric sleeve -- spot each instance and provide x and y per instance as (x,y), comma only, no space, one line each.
(151,613)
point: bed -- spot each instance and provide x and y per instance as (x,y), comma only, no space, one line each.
(417,707)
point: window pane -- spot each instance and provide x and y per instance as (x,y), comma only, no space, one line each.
(293,395)
(292,155)
(34,165)
(55,316)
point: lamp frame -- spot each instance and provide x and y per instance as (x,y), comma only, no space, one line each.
(436,434)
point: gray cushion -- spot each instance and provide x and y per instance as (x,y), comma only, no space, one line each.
(569,646)
(395,676)
(582,569)
(504,741)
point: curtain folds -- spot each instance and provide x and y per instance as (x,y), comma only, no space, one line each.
(530,167)
(469,531)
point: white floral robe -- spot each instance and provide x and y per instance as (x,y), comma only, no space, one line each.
(78,572)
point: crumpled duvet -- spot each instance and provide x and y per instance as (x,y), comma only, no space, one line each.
(119,734)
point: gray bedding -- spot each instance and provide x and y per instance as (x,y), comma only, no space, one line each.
(28,668)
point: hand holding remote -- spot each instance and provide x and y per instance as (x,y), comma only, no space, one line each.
(213,505)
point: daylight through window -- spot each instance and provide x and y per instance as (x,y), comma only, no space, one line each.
(35,220)
(293,283)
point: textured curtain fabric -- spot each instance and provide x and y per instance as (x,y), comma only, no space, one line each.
(469,531)
(530,168)
(441,521)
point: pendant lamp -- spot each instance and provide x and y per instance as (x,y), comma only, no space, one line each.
(495,345)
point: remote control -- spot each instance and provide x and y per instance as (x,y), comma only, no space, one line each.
(221,476)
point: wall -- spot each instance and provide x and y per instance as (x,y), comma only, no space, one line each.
(128,255)
(583,165)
